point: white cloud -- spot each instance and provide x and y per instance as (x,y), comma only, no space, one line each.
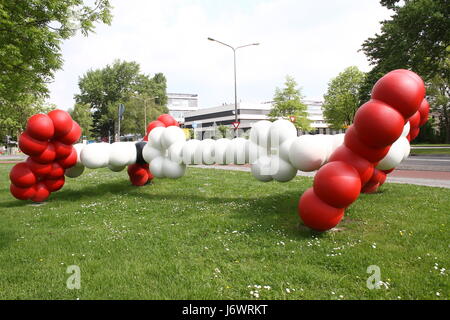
(310,40)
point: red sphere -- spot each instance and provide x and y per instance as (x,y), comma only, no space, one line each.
(424,110)
(370,187)
(317,214)
(378,176)
(168,120)
(62,150)
(70,160)
(153,125)
(40,127)
(62,121)
(22,176)
(57,171)
(139,180)
(338,184)
(41,194)
(364,167)
(145,138)
(378,125)
(54,184)
(47,156)
(414,121)
(136,170)
(22,193)
(73,135)
(412,74)
(401,90)
(352,141)
(31,146)
(39,169)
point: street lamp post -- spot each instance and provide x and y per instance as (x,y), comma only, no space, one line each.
(235,85)
(145,110)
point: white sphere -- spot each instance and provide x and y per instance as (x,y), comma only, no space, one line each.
(189,151)
(261,169)
(95,155)
(155,137)
(171,135)
(149,153)
(325,141)
(256,151)
(173,170)
(220,148)
(259,133)
(204,153)
(156,167)
(175,152)
(78,147)
(283,152)
(306,154)
(122,154)
(116,168)
(280,131)
(74,171)
(283,171)
(406,147)
(395,155)
(337,141)
(406,130)
(235,151)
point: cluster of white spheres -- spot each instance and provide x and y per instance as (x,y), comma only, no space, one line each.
(115,156)
(162,142)
(273,149)
(398,152)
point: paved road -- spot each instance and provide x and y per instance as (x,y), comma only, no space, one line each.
(427,163)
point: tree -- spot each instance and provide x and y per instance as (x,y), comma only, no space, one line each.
(81,113)
(13,118)
(342,97)
(31,33)
(439,98)
(223,130)
(104,89)
(417,38)
(288,102)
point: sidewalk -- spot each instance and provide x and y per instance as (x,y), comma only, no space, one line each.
(421,178)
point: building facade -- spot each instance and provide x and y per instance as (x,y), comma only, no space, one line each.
(181,103)
(208,119)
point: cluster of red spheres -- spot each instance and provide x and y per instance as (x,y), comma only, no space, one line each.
(47,141)
(139,172)
(397,98)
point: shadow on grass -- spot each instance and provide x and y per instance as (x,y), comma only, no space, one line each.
(279,210)
(276,210)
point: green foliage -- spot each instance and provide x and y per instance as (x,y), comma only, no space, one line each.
(439,98)
(342,97)
(82,114)
(223,130)
(417,37)
(13,118)
(122,82)
(288,102)
(31,33)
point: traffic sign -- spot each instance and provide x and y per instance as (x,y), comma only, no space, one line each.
(236,125)
(121,110)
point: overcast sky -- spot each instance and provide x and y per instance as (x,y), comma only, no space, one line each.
(311,40)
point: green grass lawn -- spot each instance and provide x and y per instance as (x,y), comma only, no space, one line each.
(217,234)
(430,151)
